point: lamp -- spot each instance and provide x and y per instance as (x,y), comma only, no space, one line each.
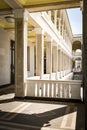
(9,19)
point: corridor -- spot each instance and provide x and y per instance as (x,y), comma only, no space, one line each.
(25,114)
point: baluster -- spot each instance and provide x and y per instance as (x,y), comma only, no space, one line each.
(61,90)
(40,89)
(42,85)
(63,87)
(70,91)
(44,89)
(36,89)
(50,89)
(65,91)
(55,87)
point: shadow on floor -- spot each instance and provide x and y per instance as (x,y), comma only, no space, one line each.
(44,119)
(38,120)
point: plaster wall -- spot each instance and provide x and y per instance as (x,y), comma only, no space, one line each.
(5,38)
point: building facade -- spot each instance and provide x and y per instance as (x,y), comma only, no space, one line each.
(51,34)
(35,47)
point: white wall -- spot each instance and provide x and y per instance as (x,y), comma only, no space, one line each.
(5,38)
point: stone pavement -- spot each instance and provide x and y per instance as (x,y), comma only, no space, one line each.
(39,115)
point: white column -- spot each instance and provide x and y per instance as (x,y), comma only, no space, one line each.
(63,63)
(49,56)
(21,21)
(62,30)
(65,35)
(55,59)
(60,61)
(71,64)
(55,18)
(49,13)
(59,69)
(59,19)
(66,64)
(32,60)
(39,52)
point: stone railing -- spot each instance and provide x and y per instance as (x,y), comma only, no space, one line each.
(54,89)
(77,53)
(66,74)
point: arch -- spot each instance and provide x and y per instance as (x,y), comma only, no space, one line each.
(76,45)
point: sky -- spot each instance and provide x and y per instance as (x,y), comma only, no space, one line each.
(75,18)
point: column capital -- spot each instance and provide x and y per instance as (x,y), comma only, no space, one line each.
(39,31)
(21,13)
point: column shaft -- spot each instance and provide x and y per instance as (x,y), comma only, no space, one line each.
(48,57)
(59,62)
(55,18)
(55,59)
(59,25)
(20,52)
(40,55)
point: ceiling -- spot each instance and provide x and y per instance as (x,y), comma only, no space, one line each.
(38,5)
(7,7)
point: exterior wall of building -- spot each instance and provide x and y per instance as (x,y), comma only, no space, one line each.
(5,38)
(61,34)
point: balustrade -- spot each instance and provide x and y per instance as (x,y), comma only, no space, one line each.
(54,89)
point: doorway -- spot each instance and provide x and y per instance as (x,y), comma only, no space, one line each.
(12,49)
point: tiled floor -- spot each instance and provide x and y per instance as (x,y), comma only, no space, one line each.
(36,115)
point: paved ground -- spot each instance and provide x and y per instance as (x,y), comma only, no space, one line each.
(37,115)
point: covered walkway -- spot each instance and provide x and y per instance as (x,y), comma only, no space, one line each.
(28,114)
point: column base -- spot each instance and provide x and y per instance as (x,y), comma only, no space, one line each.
(21,90)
